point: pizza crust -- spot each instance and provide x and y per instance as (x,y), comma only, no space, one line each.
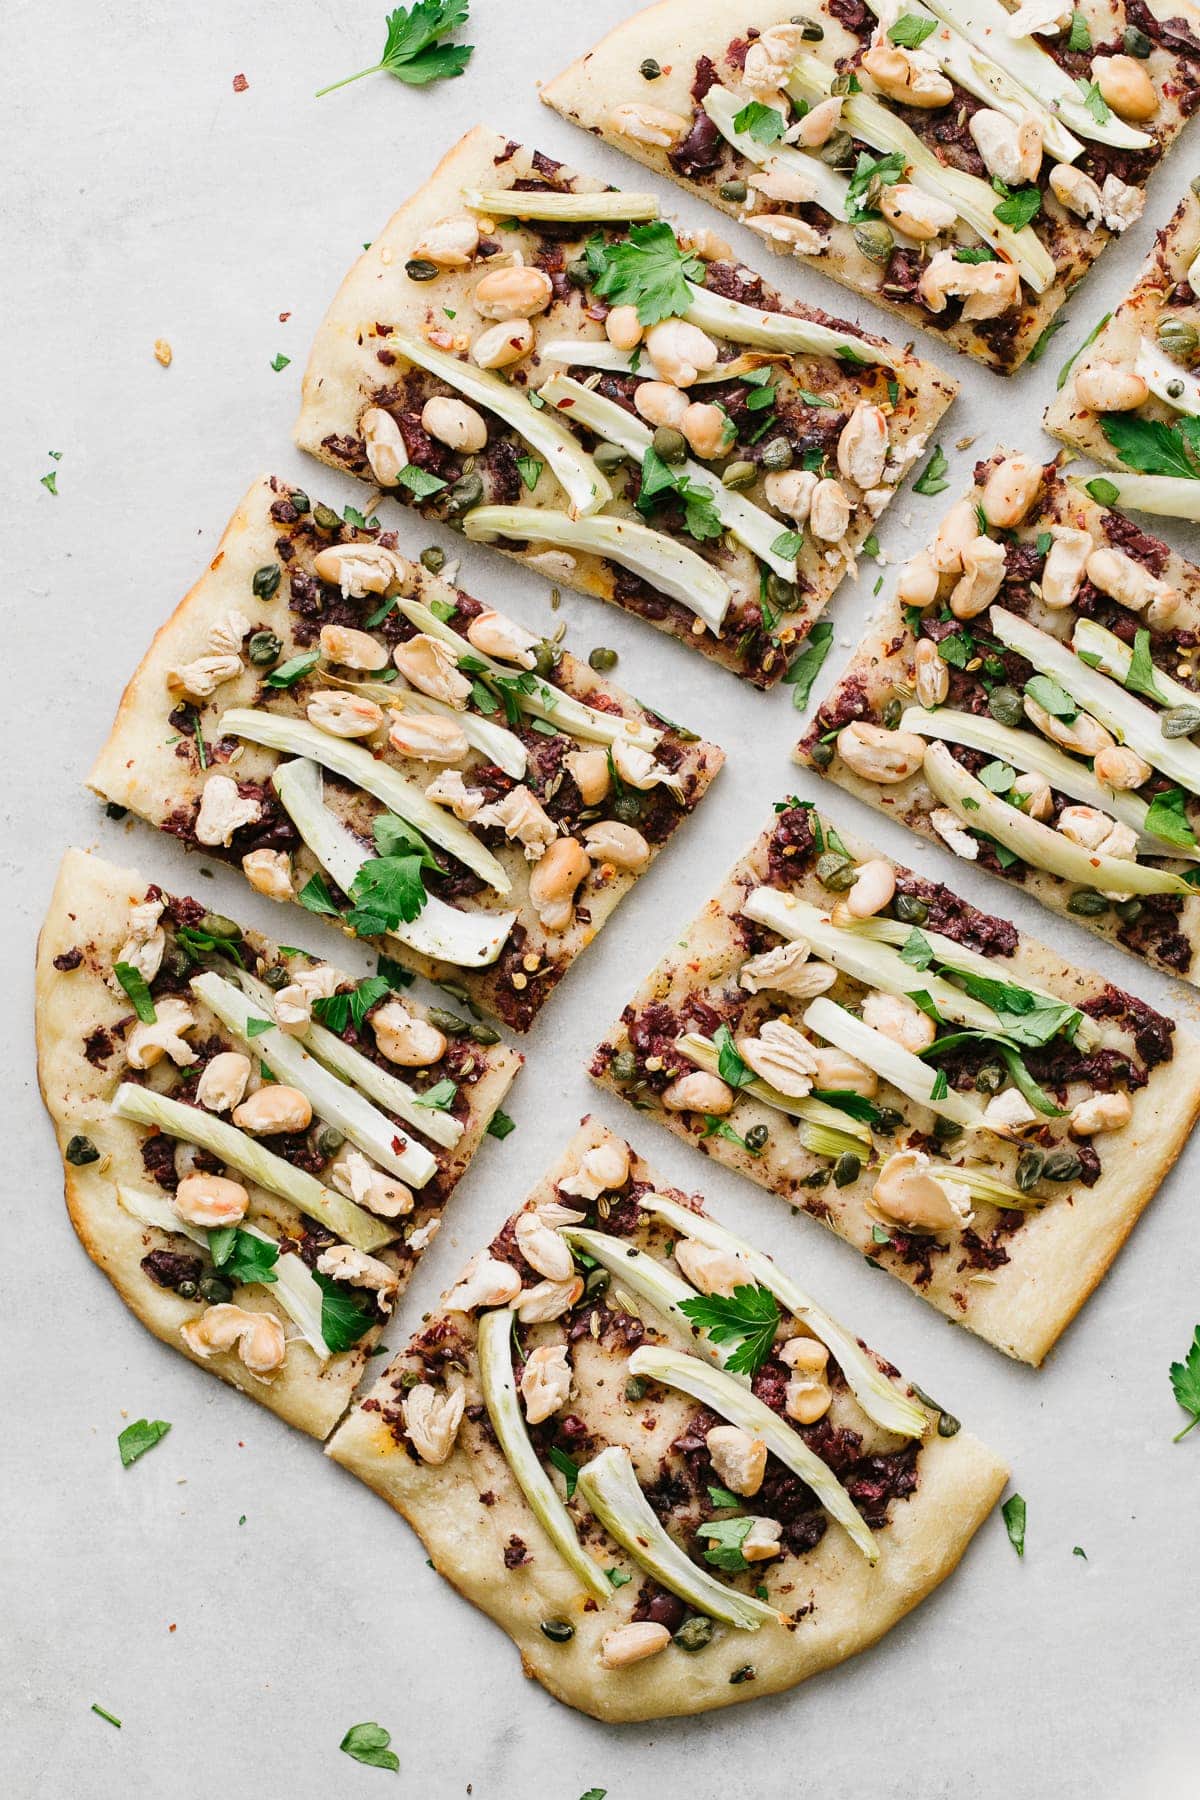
(147,766)
(852,1604)
(89,910)
(1060,1253)
(675,33)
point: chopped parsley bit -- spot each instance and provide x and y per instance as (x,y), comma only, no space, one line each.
(721,1496)
(1185,1384)
(932,479)
(749,1316)
(789,544)
(242,1520)
(1091,337)
(111,1717)
(134,983)
(530,469)
(315,896)
(412,51)
(765,124)
(336,1011)
(1093,99)
(280,362)
(1013,1513)
(1042,343)
(941,1087)
(50,482)
(618,1578)
(1018,206)
(368,1743)
(727,1537)
(1080,1551)
(1104,493)
(139,1437)
(499,1125)
(420,483)
(256,1027)
(568,1468)
(1080,37)
(439,1097)
(911,30)
(807,666)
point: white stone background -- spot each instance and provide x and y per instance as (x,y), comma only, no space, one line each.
(145,198)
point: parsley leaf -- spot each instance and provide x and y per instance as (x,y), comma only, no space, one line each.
(368,1743)
(135,985)
(1153,447)
(1013,1512)
(567,1467)
(648,270)
(788,543)
(1027,1018)
(412,51)
(339,1010)
(1045,692)
(974,253)
(932,479)
(1019,207)
(1080,37)
(316,898)
(730,1067)
(419,482)
(499,1125)
(749,1315)
(294,670)
(139,1437)
(855,1106)
(1093,99)
(279,362)
(1091,337)
(344,1316)
(997,777)
(765,124)
(241,1257)
(439,1097)
(870,174)
(1185,1384)
(1140,678)
(1042,342)
(727,1537)
(911,30)
(530,468)
(660,480)
(389,889)
(1167,818)
(941,1087)
(807,666)
(721,1496)
(916,950)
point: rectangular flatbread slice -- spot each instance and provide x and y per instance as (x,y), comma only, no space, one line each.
(482,361)
(666,1516)
(1130,399)
(971,1113)
(1030,705)
(479,815)
(971,173)
(256,1149)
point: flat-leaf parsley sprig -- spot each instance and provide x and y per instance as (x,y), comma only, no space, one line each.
(413,51)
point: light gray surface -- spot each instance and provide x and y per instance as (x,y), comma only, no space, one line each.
(150,200)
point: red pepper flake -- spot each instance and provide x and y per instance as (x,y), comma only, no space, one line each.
(240,84)
(170,1628)
(399,1144)
(284,317)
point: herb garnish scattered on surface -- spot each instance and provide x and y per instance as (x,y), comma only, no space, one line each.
(413,51)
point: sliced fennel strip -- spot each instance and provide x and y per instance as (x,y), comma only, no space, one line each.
(820,1122)
(294,1288)
(378,1084)
(333,1100)
(499,1387)
(671,567)
(296,737)
(472,940)
(1029,752)
(1167,496)
(647,1280)
(717,1389)
(830,188)
(891,1061)
(611,1490)
(611,205)
(879,1399)
(750,524)
(191,1125)
(553,704)
(576,473)
(1035,843)
(1174,385)
(743,324)
(1129,719)
(598,353)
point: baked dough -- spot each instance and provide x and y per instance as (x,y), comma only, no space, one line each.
(89,914)
(469,1510)
(1047,1267)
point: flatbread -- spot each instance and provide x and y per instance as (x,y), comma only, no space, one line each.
(354,366)
(1167,931)
(81,1062)
(1161,288)
(153,763)
(697,41)
(483,1537)
(1015,1279)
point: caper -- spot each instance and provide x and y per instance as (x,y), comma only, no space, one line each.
(579,272)
(448,1022)
(1136,43)
(837,150)
(559,1631)
(989,1079)
(649,70)
(777,455)
(735,191)
(818,1179)
(276,977)
(624,1066)
(910,909)
(300,500)
(1030,1164)
(601,659)
(875,239)
(810,31)
(744,1672)
(847,1169)
(1178,337)
(81,1150)
(1175,388)
(1179,721)
(892,714)
(264,647)
(419,268)
(330,1140)
(1086,903)
(483,1034)
(114,811)
(596,1283)
(216,925)
(841,84)
(433,558)
(608,457)
(694,1633)
(265,581)
(628,808)
(946,1130)
(670,444)
(187,1290)
(215,1289)
(175,964)
(887,1121)
(756,1138)
(948,1425)
(1006,705)
(821,754)
(325,518)
(635,1387)
(1128,911)
(463,494)
(546,658)
(781,593)
(739,474)
(836,870)
(1062,1165)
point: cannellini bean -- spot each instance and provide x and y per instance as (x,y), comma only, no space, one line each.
(837,1072)
(500,345)
(1108,387)
(384,444)
(432,1419)
(590,772)
(1127,581)
(1033,795)
(352,649)
(543,1248)
(782,1056)
(257,1337)
(680,351)
(899,1018)
(455,423)
(343,714)
(484,1282)
(602,1170)
(494,634)
(784,228)
(914,80)
(1126,86)
(223,811)
(706,244)
(269,872)
(358,1178)
(806,1355)
(954,833)
(907,1193)
(820,122)
(739,1461)
(405,1039)
(450,243)
(1066,560)
(981,579)
(1078,193)
(427,736)
(626,1644)
(1120,768)
(1010,490)
(546,1382)
(699,1092)
(931,676)
(787,970)
(863,445)
(430,666)
(661,404)
(547,1300)
(806,1400)
(652,125)
(1123,203)
(210,1200)
(829,513)
(223,1081)
(789,186)
(200,679)
(362,569)
(706,429)
(554,881)
(986,289)
(610,841)
(917,214)
(274,1108)
(919,581)
(147,1044)
(1010,1114)
(356,1269)
(769,59)
(880,755)
(712,1271)
(1083,734)
(1011,150)
(874,886)
(791,492)
(623,328)
(518,292)
(959,527)
(1100,1112)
